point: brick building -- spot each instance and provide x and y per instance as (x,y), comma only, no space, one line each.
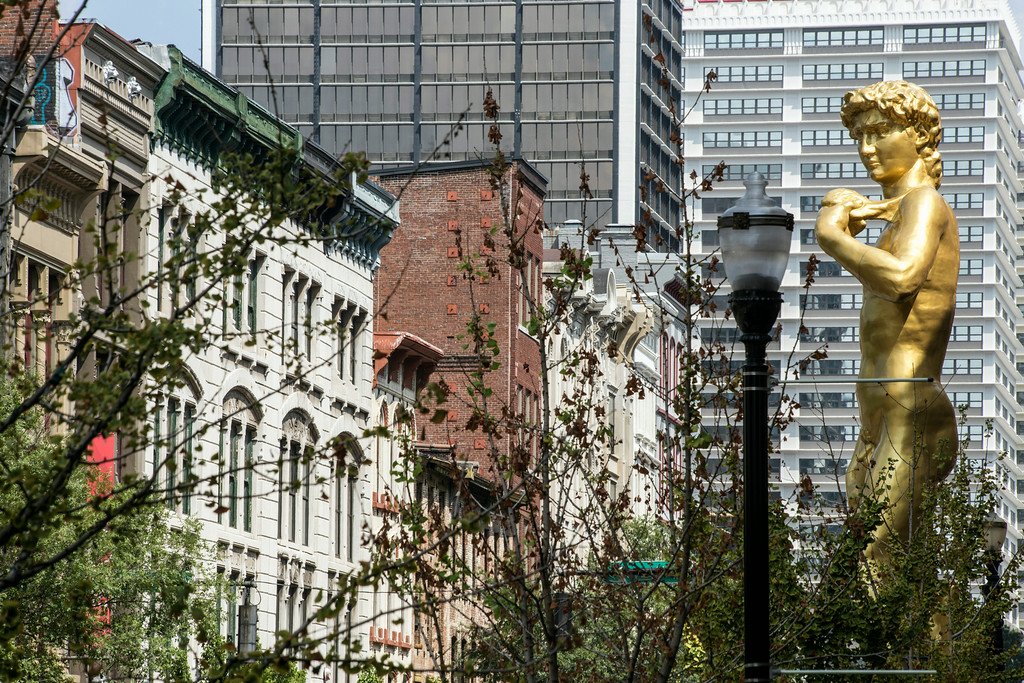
(468,253)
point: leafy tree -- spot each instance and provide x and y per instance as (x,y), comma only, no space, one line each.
(127,603)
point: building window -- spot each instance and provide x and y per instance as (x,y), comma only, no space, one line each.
(175,420)
(831,302)
(972,233)
(961,366)
(956,134)
(837,72)
(350,326)
(965,200)
(948,68)
(963,167)
(238,454)
(832,466)
(245,295)
(746,138)
(825,269)
(844,169)
(824,335)
(842,36)
(811,203)
(824,138)
(971,266)
(741,171)
(297,447)
(833,367)
(738,40)
(967,399)
(821,105)
(966,333)
(747,107)
(963,100)
(966,33)
(828,434)
(747,74)
(835,399)
(253,287)
(969,300)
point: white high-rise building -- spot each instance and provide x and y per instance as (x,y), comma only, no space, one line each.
(783,67)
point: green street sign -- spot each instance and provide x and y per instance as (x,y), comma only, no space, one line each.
(639,572)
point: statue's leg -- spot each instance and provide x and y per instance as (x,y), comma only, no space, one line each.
(917,451)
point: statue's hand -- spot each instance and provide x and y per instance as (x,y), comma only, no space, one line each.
(884,210)
(848,207)
(851,199)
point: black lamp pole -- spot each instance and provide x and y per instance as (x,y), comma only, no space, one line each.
(756,312)
(995,535)
(756,236)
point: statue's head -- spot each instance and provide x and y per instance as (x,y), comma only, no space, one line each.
(908,105)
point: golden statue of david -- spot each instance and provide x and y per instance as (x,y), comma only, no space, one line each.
(908,436)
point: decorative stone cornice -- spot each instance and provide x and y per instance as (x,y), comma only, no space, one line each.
(200,117)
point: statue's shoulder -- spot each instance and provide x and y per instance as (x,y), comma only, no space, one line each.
(924,199)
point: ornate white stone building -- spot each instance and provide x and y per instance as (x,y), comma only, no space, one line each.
(270,415)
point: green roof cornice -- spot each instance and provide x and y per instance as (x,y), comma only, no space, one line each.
(199,116)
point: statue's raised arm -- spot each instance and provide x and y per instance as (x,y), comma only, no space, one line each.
(908,430)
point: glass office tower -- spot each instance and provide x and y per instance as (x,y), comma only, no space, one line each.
(580,86)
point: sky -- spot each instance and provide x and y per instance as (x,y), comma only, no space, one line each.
(155,21)
(178,21)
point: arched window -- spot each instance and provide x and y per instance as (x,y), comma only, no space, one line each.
(238,455)
(296,474)
(346,496)
(174,418)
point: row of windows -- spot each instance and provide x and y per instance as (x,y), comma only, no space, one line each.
(747,74)
(963,100)
(825,335)
(842,36)
(834,399)
(944,69)
(825,269)
(837,169)
(969,300)
(741,171)
(965,200)
(237,458)
(821,105)
(961,366)
(963,167)
(968,33)
(969,399)
(972,266)
(828,434)
(830,466)
(832,72)
(831,302)
(721,40)
(966,333)
(823,138)
(832,366)
(747,107)
(963,134)
(718,40)
(746,138)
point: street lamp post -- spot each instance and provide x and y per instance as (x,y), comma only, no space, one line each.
(756,236)
(995,535)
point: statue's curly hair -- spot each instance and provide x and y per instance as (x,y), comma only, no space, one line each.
(905,103)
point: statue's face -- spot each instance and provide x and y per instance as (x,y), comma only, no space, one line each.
(887,148)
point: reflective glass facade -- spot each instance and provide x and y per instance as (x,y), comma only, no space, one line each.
(404,81)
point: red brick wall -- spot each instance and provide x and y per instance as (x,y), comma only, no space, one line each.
(19,27)
(423,287)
